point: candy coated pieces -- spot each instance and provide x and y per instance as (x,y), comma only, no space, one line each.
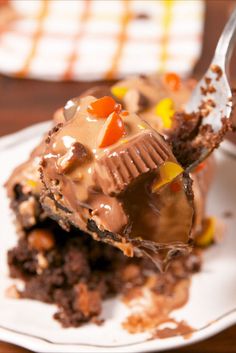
(168,172)
(112,130)
(119,91)
(31,183)
(103,107)
(172,80)
(207,235)
(165,110)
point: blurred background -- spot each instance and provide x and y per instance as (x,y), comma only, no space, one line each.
(52,50)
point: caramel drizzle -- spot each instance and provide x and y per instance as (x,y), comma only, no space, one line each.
(68,75)
(167,19)
(121,41)
(35,40)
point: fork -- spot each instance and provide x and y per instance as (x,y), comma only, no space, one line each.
(213,91)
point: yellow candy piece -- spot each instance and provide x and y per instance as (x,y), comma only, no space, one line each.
(33,184)
(119,92)
(165,110)
(168,172)
(207,235)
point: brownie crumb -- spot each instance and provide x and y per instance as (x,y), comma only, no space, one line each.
(78,274)
(217,70)
(190,136)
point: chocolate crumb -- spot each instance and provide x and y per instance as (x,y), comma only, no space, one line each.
(211,89)
(208,89)
(190,136)
(208,80)
(206,107)
(217,70)
(210,139)
(185,131)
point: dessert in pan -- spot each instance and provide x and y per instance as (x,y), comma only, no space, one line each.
(104,179)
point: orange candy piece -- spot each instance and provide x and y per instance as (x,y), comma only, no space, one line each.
(112,130)
(172,80)
(125,113)
(200,167)
(103,107)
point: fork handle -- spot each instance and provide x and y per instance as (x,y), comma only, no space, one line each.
(226,43)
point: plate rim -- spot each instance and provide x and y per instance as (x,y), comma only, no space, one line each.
(208,329)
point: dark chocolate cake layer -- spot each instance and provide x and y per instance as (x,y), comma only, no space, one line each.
(77,274)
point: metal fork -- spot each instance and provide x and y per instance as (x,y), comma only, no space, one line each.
(214,90)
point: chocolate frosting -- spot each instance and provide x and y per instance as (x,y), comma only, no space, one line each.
(113,186)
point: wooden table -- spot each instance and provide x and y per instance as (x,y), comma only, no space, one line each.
(24,102)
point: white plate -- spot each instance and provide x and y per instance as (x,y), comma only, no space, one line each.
(210,309)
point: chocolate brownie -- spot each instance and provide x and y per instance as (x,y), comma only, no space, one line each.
(77,274)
